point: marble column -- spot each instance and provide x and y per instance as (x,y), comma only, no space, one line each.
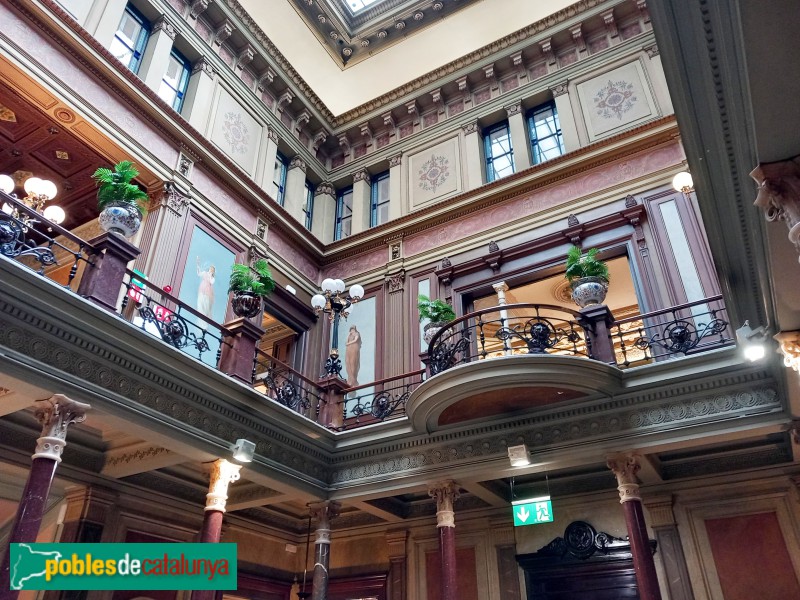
(662,521)
(446,494)
(362,201)
(625,468)
(55,414)
(199,95)
(324,212)
(156,55)
(323,512)
(472,156)
(395,186)
(566,117)
(222,473)
(519,137)
(295,196)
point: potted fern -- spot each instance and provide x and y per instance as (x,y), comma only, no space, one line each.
(122,203)
(438,314)
(249,286)
(587,275)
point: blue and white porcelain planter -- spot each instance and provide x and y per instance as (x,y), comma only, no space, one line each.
(587,291)
(120,217)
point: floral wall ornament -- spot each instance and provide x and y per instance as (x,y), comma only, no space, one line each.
(434,172)
(615,99)
(236,132)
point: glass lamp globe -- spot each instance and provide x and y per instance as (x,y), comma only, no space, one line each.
(328,285)
(682,182)
(7,184)
(356,292)
(55,214)
(318,301)
(47,189)
(7,208)
(339,285)
(32,185)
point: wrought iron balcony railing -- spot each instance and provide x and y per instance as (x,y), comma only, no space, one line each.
(41,245)
(508,330)
(281,383)
(378,401)
(671,332)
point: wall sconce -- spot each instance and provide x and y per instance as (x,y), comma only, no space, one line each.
(243,450)
(682,182)
(519,456)
(752,341)
(38,193)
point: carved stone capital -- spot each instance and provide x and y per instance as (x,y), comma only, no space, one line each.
(323,512)
(197,7)
(204,65)
(222,473)
(560,88)
(325,189)
(790,348)
(652,50)
(56,414)
(164,25)
(362,175)
(245,57)
(470,127)
(445,494)
(297,163)
(223,32)
(173,198)
(513,109)
(625,468)
(272,135)
(394,161)
(395,282)
(779,194)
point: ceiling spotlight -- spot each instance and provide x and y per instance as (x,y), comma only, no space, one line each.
(243,450)
(752,341)
(519,456)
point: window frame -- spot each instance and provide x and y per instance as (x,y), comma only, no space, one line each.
(280,194)
(183,82)
(374,204)
(534,140)
(308,207)
(139,46)
(489,157)
(340,217)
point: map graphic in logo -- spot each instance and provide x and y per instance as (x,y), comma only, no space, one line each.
(30,564)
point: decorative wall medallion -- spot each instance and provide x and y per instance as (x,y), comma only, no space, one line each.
(64,115)
(434,172)
(615,99)
(236,132)
(8,115)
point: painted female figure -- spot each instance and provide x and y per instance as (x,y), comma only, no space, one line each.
(352,356)
(205,291)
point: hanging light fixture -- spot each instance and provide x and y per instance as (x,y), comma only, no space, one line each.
(38,192)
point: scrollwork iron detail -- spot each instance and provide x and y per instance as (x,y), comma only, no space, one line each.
(445,354)
(285,392)
(174,330)
(383,405)
(539,335)
(681,335)
(14,243)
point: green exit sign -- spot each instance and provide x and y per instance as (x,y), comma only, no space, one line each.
(532,511)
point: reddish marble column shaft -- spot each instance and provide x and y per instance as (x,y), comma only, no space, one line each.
(212,527)
(29,515)
(447,548)
(643,562)
(319,587)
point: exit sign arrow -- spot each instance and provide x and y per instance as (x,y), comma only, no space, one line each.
(532,512)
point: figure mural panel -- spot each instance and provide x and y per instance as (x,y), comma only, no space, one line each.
(357,344)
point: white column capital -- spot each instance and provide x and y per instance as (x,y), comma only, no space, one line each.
(445,494)
(56,414)
(222,473)
(625,467)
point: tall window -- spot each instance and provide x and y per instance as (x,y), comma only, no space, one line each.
(344,213)
(279,177)
(308,206)
(175,81)
(131,38)
(379,199)
(498,151)
(545,133)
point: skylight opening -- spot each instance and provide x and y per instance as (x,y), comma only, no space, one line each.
(357,5)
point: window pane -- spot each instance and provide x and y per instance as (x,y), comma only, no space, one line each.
(167,93)
(121,52)
(545,133)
